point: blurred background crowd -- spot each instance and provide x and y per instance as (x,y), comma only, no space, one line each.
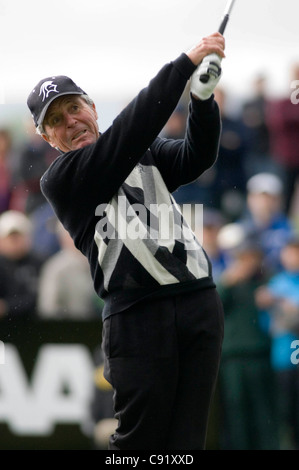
(250,232)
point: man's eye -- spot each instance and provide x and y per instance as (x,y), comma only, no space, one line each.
(75,107)
(54,121)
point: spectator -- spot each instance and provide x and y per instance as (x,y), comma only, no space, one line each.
(254,118)
(45,240)
(279,298)
(230,181)
(264,218)
(223,185)
(65,288)
(19,267)
(6,170)
(213,221)
(213,188)
(35,158)
(246,380)
(283,123)
(200,190)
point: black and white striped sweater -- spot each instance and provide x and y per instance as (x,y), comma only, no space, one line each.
(114,196)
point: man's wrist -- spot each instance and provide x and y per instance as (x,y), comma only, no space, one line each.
(198,100)
(195,97)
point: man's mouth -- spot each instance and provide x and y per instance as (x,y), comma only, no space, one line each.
(79,134)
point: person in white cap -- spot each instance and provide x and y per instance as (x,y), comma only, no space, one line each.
(19,267)
(265,219)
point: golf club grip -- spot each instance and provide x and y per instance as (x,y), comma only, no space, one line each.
(223,24)
(205,77)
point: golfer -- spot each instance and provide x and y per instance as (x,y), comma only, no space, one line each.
(162,318)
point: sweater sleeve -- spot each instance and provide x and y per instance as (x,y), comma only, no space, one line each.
(78,181)
(182,161)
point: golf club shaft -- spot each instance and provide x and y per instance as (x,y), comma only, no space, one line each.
(204,78)
(226,16)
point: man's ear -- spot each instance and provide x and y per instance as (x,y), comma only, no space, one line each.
(95,111)
(48,140)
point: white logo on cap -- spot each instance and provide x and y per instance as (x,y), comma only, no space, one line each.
(46,89)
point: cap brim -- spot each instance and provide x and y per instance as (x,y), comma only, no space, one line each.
(45,109)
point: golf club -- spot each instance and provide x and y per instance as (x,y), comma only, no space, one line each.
(204,78)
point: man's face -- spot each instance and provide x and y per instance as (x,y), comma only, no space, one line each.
(70,123)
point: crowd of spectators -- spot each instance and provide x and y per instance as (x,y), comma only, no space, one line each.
(250,232)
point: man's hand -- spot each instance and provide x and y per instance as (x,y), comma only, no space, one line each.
(208,55)
(213,44)
(210,66)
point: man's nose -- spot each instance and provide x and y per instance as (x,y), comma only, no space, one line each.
(70,120)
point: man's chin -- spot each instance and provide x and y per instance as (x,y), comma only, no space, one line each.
(83,143)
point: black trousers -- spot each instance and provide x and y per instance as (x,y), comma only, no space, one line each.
(162,359)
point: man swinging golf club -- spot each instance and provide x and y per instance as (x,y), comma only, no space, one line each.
(162,319)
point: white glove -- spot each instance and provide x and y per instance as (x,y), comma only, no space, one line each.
(211,66)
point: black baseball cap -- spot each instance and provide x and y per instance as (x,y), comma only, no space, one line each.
(46,91)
